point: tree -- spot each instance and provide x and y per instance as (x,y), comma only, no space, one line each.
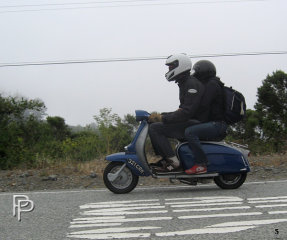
(248,129)
(17,108)
(17,128)
(58,127)
(271,107)
(114,132)
(130,123)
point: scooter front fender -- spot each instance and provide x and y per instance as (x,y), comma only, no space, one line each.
(132,162)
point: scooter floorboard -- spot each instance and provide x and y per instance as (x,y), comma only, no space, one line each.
(182,174)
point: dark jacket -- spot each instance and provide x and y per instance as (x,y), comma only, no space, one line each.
(190,94)
(212,104)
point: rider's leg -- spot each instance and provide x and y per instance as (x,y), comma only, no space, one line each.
(159,134)
(159,141)
(204,131)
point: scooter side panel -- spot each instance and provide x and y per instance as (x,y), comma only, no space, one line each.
(222,159)
(132,161)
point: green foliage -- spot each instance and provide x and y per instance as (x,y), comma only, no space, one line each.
(58,127)
(14,108)
(271,107)
(246,130)
(264,129)
(17,119)
(27,139)
(82,147)
(114,132)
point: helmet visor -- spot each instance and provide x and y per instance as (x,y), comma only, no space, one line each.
(172,65)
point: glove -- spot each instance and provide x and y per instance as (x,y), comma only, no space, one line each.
(155,117)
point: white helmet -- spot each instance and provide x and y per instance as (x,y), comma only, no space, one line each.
(177,63)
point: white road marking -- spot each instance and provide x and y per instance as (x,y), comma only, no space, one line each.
(114,220)
(277,212)
(204,231)
(123,209)
(271,206)
(267,198)
(123,213)
(249,223)
(221,215)
(112,236)
(207,201)
(206,204)
(114,205)
(95,225)
(227,227)
(210,209)
(268,201)
(98,218)
(128,201)
(122,220)
(205,198)
(114,230)
(118,211)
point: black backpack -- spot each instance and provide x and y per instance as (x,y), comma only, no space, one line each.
(234,105)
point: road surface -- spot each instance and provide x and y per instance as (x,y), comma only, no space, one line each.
(257,210)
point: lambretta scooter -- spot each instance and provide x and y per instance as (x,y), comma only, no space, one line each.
(228,163)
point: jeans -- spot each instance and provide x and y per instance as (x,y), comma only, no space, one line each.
(210,131)
(160,132)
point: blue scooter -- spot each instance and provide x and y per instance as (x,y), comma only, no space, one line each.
(228,163)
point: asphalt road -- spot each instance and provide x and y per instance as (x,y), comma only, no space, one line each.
(254,211)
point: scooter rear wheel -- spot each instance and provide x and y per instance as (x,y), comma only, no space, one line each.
(230,181)
(124,183)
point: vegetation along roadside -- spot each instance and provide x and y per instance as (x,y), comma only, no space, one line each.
(42,152)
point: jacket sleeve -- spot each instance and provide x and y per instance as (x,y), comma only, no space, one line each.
(188,107)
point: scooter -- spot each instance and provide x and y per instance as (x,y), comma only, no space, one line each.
(228,163)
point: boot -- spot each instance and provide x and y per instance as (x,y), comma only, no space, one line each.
(172,165)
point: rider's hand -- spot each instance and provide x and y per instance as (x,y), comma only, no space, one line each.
(155,117)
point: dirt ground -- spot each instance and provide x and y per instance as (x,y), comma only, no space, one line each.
(89,175)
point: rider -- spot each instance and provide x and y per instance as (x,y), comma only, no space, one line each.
(173,124)
(210,114)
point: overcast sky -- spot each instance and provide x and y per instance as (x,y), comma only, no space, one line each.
(77,92)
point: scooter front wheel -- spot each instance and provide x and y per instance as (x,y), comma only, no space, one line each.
(124,183)
(230,181)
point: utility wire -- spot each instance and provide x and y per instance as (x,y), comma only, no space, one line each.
(121,1)
(109,60)
(115,6)
(75,3)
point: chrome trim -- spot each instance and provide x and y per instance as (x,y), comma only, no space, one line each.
(140,147)
(176,176)
(113,176)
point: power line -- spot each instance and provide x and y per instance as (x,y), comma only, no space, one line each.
(109,60)
(115,6)
(121,1)
(75,3)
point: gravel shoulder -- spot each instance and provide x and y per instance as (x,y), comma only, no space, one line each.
(89,175)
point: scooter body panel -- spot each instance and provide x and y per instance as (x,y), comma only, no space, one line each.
(132,162)
(222,159)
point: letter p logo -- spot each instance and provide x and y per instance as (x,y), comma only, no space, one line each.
(21,203)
